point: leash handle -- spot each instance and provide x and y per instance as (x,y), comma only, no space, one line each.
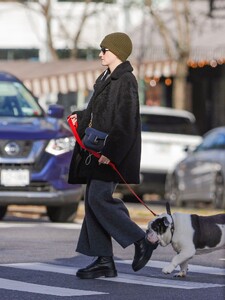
(97,155)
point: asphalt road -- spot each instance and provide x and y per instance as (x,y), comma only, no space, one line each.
(38,262)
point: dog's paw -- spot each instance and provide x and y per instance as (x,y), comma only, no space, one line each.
(180,274)
(168,269)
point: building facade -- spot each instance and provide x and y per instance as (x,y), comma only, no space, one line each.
(25,51)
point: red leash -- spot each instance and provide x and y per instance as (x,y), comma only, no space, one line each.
(96,154)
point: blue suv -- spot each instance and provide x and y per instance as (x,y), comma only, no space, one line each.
(35,153)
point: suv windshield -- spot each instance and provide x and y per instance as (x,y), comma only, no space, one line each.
(16,101)
(167,124)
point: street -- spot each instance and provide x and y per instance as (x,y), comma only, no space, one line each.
(38,261)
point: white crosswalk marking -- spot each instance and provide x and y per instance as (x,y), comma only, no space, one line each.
(15,285)
(72,270)
(44,267)
(191,268)
(165,283)
(125,278)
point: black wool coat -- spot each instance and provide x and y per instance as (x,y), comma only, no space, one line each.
(115,108)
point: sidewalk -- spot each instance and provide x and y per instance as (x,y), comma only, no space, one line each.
(138,212)
(141,215)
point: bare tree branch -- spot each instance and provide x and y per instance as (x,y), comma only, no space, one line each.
(177,44)
(163,30)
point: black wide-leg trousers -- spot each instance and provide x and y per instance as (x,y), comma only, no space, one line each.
(105,218)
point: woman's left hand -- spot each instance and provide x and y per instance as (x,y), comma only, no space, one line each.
(103,160)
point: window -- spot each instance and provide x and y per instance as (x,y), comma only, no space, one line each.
(167,124)
(16,101)
(215,140)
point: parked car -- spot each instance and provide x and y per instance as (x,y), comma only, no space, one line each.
(201,175)
(35,152)
(166,133)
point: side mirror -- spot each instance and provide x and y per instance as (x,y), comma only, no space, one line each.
(55,111)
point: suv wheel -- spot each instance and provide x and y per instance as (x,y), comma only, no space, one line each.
(3,211)
(64,213)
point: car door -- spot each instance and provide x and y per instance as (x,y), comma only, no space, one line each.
(202,166)
(188,173)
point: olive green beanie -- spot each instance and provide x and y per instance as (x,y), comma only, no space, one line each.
(119,44)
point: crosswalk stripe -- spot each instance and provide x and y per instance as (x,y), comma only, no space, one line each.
(15,285)
(165,283)
(125,278)
(191,268)
(43,267)
(151,264)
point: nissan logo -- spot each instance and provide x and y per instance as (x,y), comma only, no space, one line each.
(12,149)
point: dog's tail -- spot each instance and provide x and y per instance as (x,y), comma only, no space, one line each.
(168,210)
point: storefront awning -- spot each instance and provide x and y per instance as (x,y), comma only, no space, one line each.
(65,76)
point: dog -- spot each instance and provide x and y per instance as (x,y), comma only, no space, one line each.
(189,234)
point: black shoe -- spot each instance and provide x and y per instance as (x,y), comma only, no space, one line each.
(102,266)
(143,252)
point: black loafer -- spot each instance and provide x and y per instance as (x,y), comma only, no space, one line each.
(143,252)
(102,266)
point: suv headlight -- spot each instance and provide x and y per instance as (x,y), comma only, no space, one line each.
(60,146)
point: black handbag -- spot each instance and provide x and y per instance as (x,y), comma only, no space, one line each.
(94,139)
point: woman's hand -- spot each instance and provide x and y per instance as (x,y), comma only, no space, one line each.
(103,160)
(73,119)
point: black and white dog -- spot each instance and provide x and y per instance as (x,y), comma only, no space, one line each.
(189,234)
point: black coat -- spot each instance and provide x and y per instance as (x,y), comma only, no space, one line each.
(115,109)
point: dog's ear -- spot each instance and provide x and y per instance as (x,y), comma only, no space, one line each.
(168,210)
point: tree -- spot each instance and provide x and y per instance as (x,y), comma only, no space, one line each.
(177,46)
(45,8)
(74,38)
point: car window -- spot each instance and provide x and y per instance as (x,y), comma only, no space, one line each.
(215,140)
(167,124)
(16,101)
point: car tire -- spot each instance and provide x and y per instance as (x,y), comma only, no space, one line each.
(65,214)
(3,211)
(219,197)
(174,194)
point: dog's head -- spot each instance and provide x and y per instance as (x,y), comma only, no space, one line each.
(162,225)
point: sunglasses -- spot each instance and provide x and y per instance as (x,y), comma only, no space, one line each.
(103,50)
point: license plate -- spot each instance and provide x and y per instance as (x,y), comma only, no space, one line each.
(12,177)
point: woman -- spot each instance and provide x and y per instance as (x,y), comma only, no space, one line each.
(113,108)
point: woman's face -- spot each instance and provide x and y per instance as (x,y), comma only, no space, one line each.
(109,59)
